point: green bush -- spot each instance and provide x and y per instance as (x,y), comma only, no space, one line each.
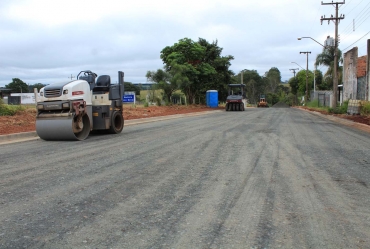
(9,110)
(313,103)
(336,110)
(365,108)
(158,101)
(339,109)
(146,104)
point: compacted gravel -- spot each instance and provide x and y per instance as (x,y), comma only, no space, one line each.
(262,178)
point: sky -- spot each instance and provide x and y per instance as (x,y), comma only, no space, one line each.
(43,41)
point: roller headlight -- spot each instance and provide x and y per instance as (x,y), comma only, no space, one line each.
(65,91)
(42,93)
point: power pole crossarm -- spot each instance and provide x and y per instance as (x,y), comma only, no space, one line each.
(294,69)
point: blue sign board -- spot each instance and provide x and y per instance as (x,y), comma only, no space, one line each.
(128,98)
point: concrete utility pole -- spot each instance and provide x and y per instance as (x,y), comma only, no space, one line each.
(293,69)
(368,70)
(295,82)
(336,21)
(241,74)
(71,77)
(306,97)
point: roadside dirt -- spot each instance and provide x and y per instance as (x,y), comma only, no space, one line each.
(25,121)
(354,118)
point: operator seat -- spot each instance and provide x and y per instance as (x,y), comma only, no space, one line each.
(102,84)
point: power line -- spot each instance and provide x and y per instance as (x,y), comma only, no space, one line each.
(365,18)
(345,5)
(354,7)
(356,41)
(359,25)
(360,21)
(347,29)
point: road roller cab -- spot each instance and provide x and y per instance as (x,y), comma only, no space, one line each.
(70,110)
(236,99)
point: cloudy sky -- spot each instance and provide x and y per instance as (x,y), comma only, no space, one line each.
(44,41)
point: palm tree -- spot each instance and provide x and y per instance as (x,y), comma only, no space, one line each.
(326,58)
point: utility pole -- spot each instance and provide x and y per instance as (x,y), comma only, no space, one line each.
(293,69)
(295,84)
(336,21)
(306,97)
(71,77)
(367,71)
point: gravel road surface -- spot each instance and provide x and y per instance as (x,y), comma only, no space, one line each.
(262,178)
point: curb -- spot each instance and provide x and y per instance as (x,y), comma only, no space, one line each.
(25,136)
(342,121)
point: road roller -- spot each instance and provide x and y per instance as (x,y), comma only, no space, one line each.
(262,102)
(72,109)
(236,100)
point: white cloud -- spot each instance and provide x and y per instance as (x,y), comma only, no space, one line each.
(45,40)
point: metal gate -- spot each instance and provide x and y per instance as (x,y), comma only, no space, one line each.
(322,99)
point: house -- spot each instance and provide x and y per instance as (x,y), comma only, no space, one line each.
(4,92)
(356,80)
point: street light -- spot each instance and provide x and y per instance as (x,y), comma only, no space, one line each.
(300,38)
(306,97)
(314,72)
(298,65)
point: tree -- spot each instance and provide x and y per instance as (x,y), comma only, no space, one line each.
(129,87)
(301,81)
(293,82)
(254,84)
(37,85)
(202,65)
(168,81)
(326,58)
(321,83)
(274,79)
(17,85)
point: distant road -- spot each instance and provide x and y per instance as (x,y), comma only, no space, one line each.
(263,178)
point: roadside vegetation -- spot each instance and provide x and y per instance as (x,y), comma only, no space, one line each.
(9,110)
(365,108)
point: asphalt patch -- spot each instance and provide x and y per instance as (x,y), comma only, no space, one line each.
(281,105)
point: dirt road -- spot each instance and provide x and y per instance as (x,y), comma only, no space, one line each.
(263,178)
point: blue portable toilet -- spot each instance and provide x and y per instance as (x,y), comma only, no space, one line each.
(212,98)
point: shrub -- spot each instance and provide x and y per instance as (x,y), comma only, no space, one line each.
(313,103)
(340,109)
(146,104)
(335,110)
(9,110)
(158,101)
(365,108)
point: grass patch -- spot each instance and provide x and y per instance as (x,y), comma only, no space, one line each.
(313,103)
(10,110)
(365,108)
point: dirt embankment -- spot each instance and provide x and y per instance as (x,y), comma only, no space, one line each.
(25,120)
